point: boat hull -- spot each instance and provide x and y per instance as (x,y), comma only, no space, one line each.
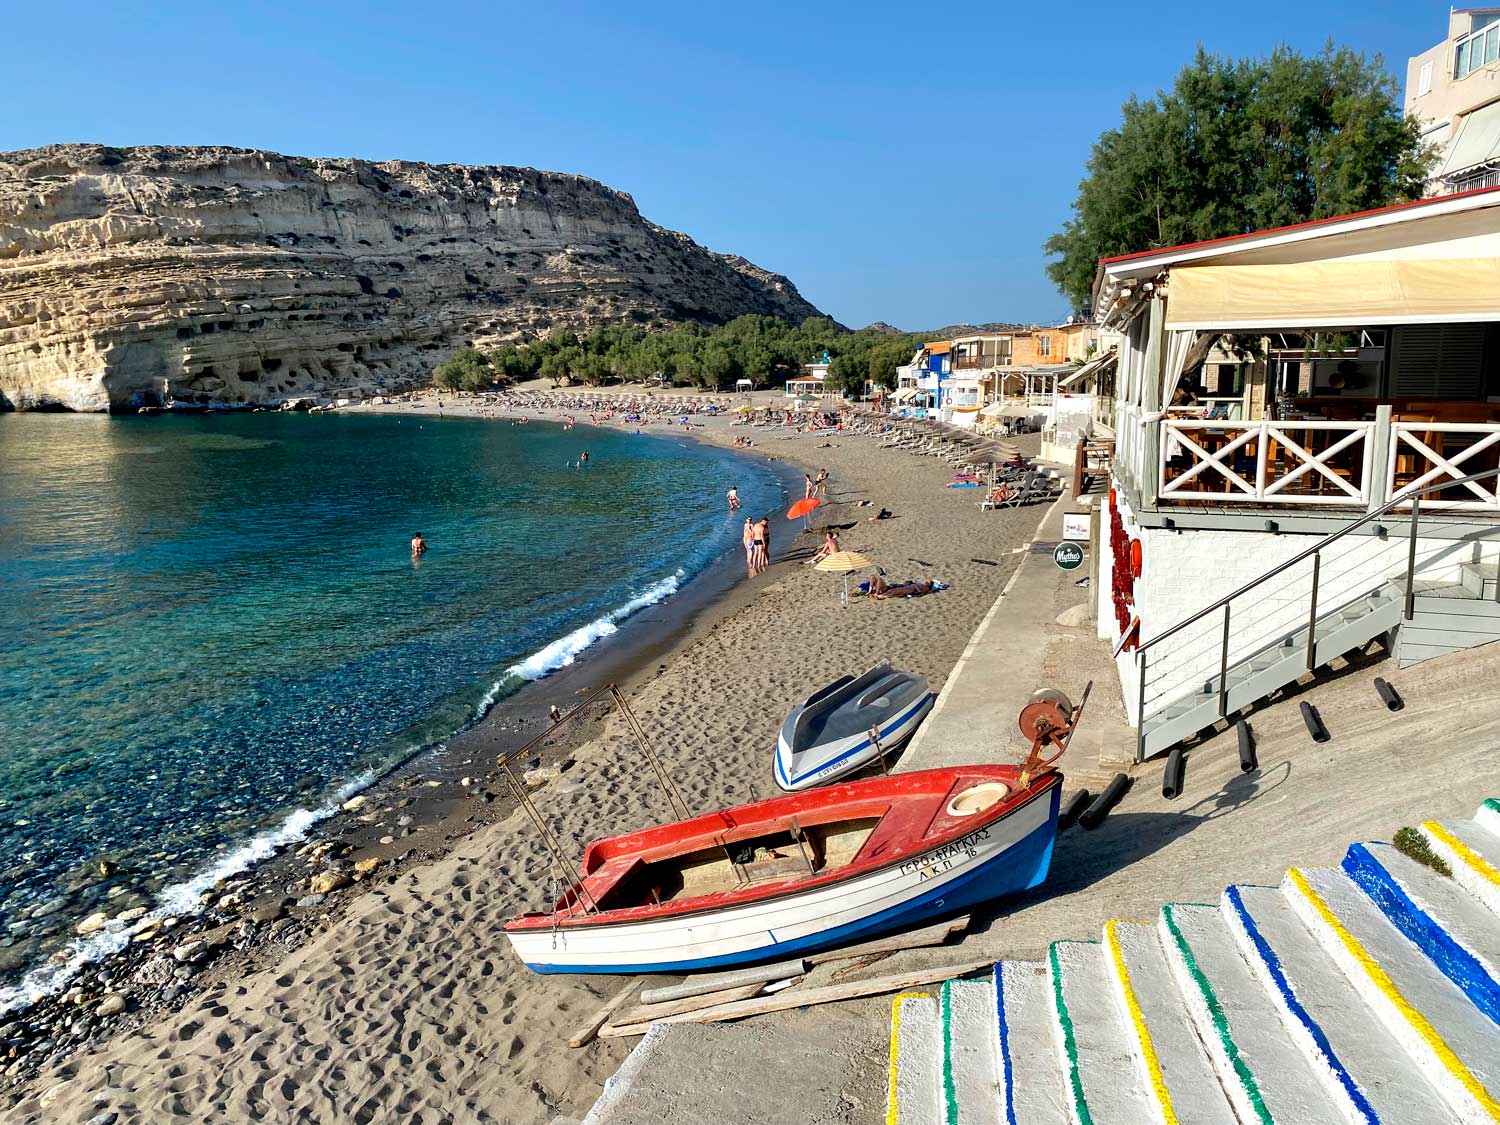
(1006,856)
(799,770)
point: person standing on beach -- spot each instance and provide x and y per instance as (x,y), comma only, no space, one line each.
(820,486)
(748,537)
(734,498)
(762,545)
(808,491)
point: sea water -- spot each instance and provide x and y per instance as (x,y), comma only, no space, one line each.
(212,629)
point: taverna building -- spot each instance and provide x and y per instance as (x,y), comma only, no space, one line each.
(1298,413)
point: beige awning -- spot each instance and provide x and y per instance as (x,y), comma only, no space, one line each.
(905,394)
(1008,410)
(1089,368)
(1327,294)
(1477,142)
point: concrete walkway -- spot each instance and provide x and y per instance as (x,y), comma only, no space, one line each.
(1021,646)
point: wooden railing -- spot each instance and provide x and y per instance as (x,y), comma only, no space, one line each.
(1295,463)
(1424,455)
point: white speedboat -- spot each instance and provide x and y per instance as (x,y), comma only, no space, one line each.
(828,735)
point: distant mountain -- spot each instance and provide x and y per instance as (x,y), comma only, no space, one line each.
(953,331)
(226,276)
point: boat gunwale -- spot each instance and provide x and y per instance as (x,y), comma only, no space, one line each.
(774,891)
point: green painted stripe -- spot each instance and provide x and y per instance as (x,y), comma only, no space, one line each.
(950,1093)
(1221,1022)
(1070,1048)
(1492,804)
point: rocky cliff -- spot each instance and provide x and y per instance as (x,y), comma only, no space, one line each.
(220,275)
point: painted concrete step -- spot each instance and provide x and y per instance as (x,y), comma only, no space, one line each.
(971,1070)
(914,1093)
(1488,816)
(1473,852)
(1459,936)
(1178,1077)
(1325,1015)
(1098,1066)
(1032,1090)
(1263,1071)
(1455,1043)
(1478,578)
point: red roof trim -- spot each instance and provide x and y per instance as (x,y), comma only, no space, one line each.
(1408,205)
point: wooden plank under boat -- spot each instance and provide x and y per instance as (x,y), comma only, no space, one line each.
(798,872)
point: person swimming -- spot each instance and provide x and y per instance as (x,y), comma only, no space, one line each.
(418,545)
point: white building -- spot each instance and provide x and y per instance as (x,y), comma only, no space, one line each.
(1453,88)
(1368,385)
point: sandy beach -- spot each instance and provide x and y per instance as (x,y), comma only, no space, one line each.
(406,1003)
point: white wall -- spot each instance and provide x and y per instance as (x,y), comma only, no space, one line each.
(1184,571)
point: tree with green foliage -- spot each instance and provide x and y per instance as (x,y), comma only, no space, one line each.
(1239,145)
(465,370)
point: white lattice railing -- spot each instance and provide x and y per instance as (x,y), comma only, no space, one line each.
(1294,463)
(1423,454)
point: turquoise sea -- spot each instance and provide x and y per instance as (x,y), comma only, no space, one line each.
(213,629)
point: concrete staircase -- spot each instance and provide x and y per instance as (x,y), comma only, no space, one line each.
(1448,616)
(1252,677)
(1367,992)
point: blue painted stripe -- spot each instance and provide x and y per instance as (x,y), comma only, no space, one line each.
(1018,868)
(1422,930)
(1273,964)
(925,701)
(1005,1065)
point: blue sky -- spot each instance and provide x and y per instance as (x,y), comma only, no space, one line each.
(900,162)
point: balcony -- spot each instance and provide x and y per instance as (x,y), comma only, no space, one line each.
(978,362)
(1308,465)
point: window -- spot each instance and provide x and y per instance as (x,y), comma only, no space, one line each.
(1046,344)
(1424,80)
(1479,47)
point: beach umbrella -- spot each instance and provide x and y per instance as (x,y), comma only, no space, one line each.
(845,563)
(802,507)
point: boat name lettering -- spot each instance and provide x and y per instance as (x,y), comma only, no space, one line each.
(933,863)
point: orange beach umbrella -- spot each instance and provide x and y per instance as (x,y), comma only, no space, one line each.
(802,507)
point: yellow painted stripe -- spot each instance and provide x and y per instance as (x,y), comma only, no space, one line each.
(890,1110)
(1148,1048)
(1471,858)
(1425,1031)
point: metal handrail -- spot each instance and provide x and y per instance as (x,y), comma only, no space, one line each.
(1412,498)
(1315,552)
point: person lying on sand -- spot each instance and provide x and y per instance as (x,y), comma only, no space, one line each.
(880,589)
(883,514)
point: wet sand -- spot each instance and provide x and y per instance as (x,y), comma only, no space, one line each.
(403,1001)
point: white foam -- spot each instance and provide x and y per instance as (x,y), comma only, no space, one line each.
(563,651)
(175,900)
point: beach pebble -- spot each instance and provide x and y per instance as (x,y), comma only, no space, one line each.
(112,1005)
(108,867)
(158,970)
(354,804)
(190,951)
(103,1117)
(402,822)
(387,839)
(267,913)
(51,906)
(147,930)
(366,866)
(328,881)
(540,776)
(310,900)
(131,915)
(92,924)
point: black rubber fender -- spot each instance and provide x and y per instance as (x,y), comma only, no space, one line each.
(1098,809)
(1172,775)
